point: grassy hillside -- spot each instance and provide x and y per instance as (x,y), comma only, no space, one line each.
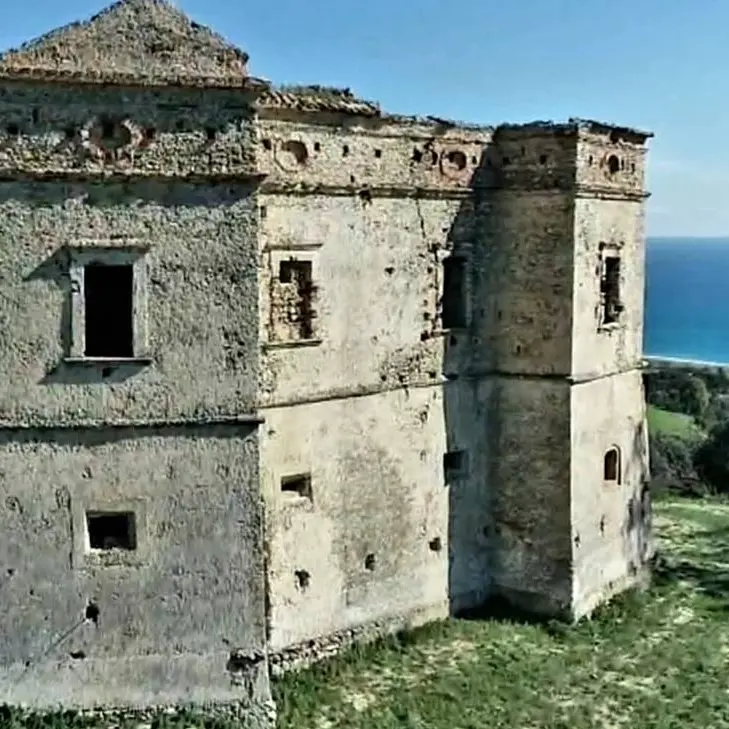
(667,423)
(650,660)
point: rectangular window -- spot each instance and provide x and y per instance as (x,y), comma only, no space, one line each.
(297,300)
(109,310)
(454,293)
(610,290)
(297,486)
(111,530)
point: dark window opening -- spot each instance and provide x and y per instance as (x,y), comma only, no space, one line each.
(111,530)
(454,294)
(107,129)
(298,485)
(613,164)
(454,464)
(610,290)
(611,465)
(299,274)
(108,296)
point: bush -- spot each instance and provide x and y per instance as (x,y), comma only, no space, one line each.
(712,458)
(673,467)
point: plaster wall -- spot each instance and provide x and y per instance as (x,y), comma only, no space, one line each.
(610,520)
(170,612)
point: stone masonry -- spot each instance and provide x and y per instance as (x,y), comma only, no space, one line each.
(281,370)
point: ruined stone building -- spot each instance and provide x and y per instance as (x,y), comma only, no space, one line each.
(280,369)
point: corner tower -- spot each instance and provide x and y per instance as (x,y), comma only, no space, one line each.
(559,291)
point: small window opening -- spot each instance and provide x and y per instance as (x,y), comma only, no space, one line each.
(417,155)
(454,293)
(317,147)
(611,465)
(455,464)
(613,164)
(378,153)
(210,133)
(542,159)
(610,290)
(297,486)
(267,145)
(345,150)
(370,562)
(13,130)
(111,530)
(299,274)
(108,296)
(107,129)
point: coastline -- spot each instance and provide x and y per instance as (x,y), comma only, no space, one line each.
(678,362)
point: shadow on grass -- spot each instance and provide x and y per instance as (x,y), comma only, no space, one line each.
(705,568)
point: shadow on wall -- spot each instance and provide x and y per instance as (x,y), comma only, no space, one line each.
(468,407)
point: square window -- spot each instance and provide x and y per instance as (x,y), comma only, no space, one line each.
(111,530)
(109,310)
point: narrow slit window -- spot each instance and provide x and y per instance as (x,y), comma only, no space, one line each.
(111,530)
(297,486)
(611,466)
(610,290)
(454,293)
(109,310)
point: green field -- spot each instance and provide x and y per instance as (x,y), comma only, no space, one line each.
(668,423)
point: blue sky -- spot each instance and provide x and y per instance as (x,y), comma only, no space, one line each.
(655,64)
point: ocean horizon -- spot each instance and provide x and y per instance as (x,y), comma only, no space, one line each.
(687,300)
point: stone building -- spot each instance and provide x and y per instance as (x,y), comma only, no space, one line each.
(281,369)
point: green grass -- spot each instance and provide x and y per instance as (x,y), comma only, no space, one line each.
(668,423)
(658,659)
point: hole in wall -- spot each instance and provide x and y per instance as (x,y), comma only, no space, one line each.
(389,270)
(263,212)
(150,133)
(317,147)
(613,164)
(35,116)
(506,161)
(210,133)
(303,579)
(474,160)
(457,159)
(351,179)
(345,150)
(298,485)
(92,613)
(77,655)
(267,144)
(378,153)
(13,130)
(370,562)
(365,195)
(417,155)
(611,465)
(454,303)
(435,545)
(632,166)
(111,530)
(297,150)
(69,132)
(590,160)
(455,464)
(542,159)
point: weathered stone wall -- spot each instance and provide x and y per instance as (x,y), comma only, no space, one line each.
(610,519)
(77,130)
(599,350)
(199,326)
(180,618)
(357,403)
(530,493)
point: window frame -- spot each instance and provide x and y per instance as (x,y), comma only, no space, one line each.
(610,251)
(109,256)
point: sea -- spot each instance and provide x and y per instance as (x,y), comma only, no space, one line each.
(687,299)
